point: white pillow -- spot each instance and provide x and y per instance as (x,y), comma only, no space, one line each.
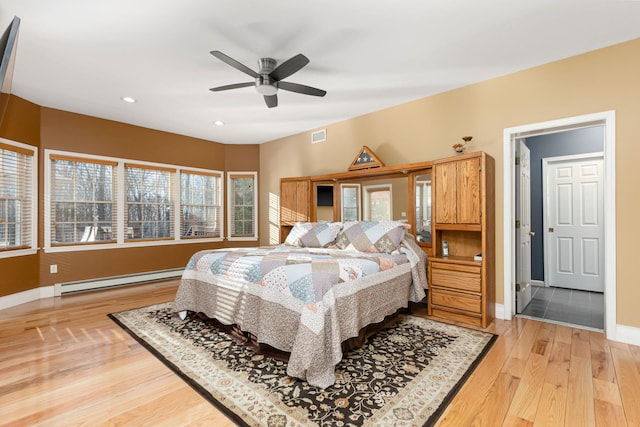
(299,229)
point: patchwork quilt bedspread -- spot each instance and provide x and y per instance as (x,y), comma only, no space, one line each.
(303,273)
(302,300)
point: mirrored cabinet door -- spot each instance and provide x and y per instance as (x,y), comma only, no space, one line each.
(423,207)
(350,202)
(325,208)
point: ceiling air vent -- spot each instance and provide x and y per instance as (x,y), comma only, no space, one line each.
(319,136)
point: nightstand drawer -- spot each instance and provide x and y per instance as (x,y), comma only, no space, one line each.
(459,300)
(463,280)
(457,316)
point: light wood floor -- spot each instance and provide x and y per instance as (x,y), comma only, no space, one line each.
(64,363)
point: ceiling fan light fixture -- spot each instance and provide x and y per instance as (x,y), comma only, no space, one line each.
(265,86)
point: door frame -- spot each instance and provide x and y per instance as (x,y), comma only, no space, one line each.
(545,204)
(607,119)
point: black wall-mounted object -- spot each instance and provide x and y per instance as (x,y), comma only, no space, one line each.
(8,46)
(324,195)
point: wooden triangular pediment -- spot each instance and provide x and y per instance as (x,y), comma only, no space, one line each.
(365,159)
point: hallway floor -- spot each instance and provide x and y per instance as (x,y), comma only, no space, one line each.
(571,306)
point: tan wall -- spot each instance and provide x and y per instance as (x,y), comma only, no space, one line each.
(60,130)
(425,129)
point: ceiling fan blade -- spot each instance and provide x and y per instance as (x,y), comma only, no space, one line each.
(307,90)
(271,100)
(289,67)
(233,86)
(235,64)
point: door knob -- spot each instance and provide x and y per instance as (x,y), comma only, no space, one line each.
(532,233)
(550,229)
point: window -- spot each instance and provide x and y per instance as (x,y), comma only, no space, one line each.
(17,204)
(149,202)
(95,202)
(200,205)
(83,204)
(243,215)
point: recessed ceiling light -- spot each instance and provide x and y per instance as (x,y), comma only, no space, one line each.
(218,123)
(128,99)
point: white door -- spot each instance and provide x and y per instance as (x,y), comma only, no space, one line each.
(523,227)
(574,231)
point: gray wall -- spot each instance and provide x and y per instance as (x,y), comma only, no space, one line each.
(579,141)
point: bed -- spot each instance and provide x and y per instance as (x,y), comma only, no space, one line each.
(306,297)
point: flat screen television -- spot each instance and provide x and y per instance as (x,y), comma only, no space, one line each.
(324,195)
(8,46)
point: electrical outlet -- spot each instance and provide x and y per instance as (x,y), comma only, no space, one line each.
(53,268)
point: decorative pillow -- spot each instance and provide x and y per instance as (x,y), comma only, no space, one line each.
(299,229)
(321,235)
(371,236)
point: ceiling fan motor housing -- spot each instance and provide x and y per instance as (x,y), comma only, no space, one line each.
(264,84)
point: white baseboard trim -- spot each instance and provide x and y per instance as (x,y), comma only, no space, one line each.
(627,334)
(500,311)
(537,283)
(60,289)
(26,296)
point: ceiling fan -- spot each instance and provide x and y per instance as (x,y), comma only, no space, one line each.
(269,79)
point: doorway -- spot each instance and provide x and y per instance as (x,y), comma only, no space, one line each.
(511,136)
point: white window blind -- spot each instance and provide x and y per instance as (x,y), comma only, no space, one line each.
(83,200)
(149,208)
(16,193)
(200,204)
(242,205)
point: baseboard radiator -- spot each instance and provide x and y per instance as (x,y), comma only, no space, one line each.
(115,281)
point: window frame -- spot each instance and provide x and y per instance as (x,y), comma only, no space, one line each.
(32,245)
(220,201)
(92,228)
(173,176)
(231,205)
(121,236)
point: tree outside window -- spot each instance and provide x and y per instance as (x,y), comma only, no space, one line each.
(242,205)
(200,204)
(83,203)
(149,202)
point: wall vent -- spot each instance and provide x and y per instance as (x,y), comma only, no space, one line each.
(319,136)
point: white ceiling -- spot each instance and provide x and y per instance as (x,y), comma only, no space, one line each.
(83,55)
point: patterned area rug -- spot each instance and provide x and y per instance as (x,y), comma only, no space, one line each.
(404,375)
